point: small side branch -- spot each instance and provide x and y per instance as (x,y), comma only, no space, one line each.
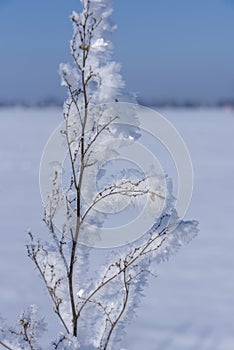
(6,346)
(125,301)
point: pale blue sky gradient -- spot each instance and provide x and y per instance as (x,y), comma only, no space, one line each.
(182,50)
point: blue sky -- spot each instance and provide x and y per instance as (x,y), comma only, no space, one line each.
(182,50)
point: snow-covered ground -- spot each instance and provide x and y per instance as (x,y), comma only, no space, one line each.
(190,306)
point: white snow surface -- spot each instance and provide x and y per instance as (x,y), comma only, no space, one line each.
(190,306)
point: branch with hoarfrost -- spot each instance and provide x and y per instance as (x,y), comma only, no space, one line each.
(94,305)
(125,275)
(44,261)
(25,335)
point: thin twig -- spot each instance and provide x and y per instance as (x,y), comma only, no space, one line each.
(5,346)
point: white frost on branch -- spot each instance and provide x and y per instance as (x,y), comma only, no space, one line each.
(124,275)
(69,76)
(26,333)
(99,45)
(95,296)
(105,80)
(110,82)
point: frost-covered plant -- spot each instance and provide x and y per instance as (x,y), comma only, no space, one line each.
(94,304)
(26,333)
